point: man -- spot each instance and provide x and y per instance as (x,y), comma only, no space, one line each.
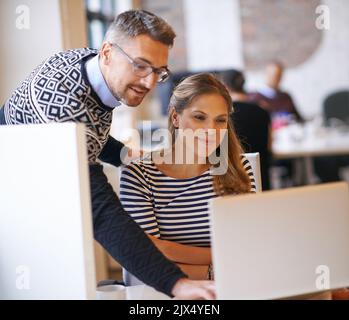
(271,97)
(84,85)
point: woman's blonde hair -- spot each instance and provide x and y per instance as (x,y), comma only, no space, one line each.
(235,179)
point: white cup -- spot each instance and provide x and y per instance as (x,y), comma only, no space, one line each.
(111,292)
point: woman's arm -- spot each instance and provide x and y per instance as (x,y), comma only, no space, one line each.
(194,272)
(183,253)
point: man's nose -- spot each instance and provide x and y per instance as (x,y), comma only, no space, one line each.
(149,81)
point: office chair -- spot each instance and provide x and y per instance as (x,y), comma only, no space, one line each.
(336,106)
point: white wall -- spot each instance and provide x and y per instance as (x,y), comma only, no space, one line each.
(326,71)
(213,34)
(23,49)
(214,42)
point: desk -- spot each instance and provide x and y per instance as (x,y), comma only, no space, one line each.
(144,292)
(304,142)
(141,292)
(290,142)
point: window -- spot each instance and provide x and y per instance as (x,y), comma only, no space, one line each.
(100,13)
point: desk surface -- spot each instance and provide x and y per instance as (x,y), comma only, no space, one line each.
(141,292)
(294,142)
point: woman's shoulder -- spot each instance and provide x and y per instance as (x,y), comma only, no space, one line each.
(249,170)
(137,174)
(245,162)
(142,165)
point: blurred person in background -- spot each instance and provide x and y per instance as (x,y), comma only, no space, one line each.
(281,108)
(271,97)
(251,122)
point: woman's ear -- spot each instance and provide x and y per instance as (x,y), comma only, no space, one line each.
(174,119)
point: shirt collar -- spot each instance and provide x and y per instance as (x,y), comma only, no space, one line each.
(267,92)
(95,76)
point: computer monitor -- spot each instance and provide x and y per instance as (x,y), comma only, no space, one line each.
(283,243)
(46,239)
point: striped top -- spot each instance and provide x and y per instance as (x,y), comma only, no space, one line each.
(170,208)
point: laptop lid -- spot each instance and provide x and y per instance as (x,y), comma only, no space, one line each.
(46,241)
(281,243)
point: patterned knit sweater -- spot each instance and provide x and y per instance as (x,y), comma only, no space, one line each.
(58,90)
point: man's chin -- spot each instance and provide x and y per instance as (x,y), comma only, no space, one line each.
(133,101)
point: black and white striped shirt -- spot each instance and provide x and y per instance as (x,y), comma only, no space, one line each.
(170,208)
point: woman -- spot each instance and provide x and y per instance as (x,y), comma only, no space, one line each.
(169,199)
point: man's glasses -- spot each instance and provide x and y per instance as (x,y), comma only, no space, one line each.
(143,69)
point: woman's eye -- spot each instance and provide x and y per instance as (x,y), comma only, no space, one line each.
(200,117)
(221,120)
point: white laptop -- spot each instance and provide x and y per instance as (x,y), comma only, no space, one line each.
(281,244)
(46,241)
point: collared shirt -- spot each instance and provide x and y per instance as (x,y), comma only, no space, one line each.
(98,83)
(267,92)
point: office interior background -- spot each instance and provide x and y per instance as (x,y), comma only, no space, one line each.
(310,38)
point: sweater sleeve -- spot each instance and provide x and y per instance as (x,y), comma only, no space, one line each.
(111,152)
(2,116)
(124,240)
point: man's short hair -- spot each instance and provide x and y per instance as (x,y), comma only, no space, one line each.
(133,23)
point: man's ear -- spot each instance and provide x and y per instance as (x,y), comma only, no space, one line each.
(105,53)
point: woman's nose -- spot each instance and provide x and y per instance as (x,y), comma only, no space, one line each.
(213,125)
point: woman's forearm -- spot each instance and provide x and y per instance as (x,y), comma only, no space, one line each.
(183,253)
(194,272)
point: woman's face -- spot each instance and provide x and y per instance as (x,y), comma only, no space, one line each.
(203,123)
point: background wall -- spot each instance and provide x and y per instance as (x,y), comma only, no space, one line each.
(173,13)
(23,49)
(246,34)
(213,34)
(322,71)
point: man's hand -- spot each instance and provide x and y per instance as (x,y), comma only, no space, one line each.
(131,154)
(186,289)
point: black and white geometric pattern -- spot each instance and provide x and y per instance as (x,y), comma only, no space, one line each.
(57,91)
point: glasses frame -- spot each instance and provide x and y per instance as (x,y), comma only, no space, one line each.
(163,73)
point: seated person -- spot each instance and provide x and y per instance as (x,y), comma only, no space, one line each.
(271,97)
(280,106)
(170,198)
(252,123)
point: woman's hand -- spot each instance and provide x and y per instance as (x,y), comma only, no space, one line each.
(132,154)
